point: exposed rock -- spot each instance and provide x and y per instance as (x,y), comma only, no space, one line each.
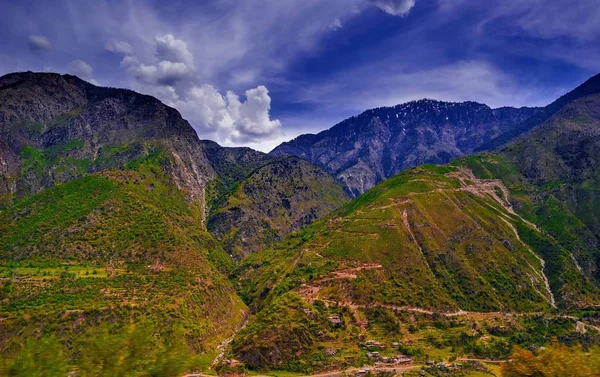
(275,200)
(366,149)
(54,128)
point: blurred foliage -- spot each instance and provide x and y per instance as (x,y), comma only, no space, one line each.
(554,361)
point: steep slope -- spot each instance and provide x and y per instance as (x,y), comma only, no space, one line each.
(556,166)
(590,87)
(364,150)
(275,200)
(514,231)
(54,128)
(103,252)
(553,174)
(432,240)
(231,165)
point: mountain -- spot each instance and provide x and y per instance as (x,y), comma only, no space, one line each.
(276,199)
(379,143)
(492,250)
(435,241)
(104,199)
(231,165)
(54,128)
(121,230)
(103,220)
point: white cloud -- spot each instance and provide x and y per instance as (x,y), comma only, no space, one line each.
(174,50)
(336,24)
(461,81)
(164,73)
(244,77)
(119,47)
(229,119)
(225,118)
(80,68)
(536,18)
(39,43)
(175,64)
(394,7)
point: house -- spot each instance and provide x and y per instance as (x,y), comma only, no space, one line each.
(396,360)
(335,320)
(330,351)
(362,372)
(374,344)
(373,355)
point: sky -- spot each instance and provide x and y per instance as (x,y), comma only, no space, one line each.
(259,72)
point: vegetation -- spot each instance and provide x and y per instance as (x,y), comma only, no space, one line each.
(83,261)
(142,351)
(557,360)
(399,262)
(276,199)
(438,263)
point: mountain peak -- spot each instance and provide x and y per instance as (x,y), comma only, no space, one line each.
(364,150)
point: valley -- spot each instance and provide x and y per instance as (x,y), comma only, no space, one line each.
(195,258)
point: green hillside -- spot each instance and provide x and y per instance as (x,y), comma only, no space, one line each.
(493,250)
(435,241)
(110,253)
(276,199)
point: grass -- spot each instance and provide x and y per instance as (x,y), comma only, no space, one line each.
(40,273)
(108,250)
(458,253)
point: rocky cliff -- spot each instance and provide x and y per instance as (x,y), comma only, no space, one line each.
(379,143)
(55,128)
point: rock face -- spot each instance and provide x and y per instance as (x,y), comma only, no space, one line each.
(57,128)
(365,150)
(560,158)
(54,128)
(275,200)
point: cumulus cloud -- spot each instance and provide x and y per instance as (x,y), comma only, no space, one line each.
(39,43)
(394,7)
(174,50)
(164,73)
(336,24)
(80,68)
(119,47)
(175,64)
(227,118)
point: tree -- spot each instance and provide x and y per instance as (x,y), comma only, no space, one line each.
(42,357)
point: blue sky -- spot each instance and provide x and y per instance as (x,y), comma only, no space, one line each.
(259,72)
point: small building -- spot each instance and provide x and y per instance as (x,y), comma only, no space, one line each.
(362,372)
(330,351)
(396,360)
(373,355)
(374,344)
(335,320)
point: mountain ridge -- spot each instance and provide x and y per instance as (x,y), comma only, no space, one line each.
(364,150)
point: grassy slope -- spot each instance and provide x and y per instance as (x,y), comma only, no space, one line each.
(433,238)
(275,200)
(77,257)
(442,246)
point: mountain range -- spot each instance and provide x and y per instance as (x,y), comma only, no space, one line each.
(470,230)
